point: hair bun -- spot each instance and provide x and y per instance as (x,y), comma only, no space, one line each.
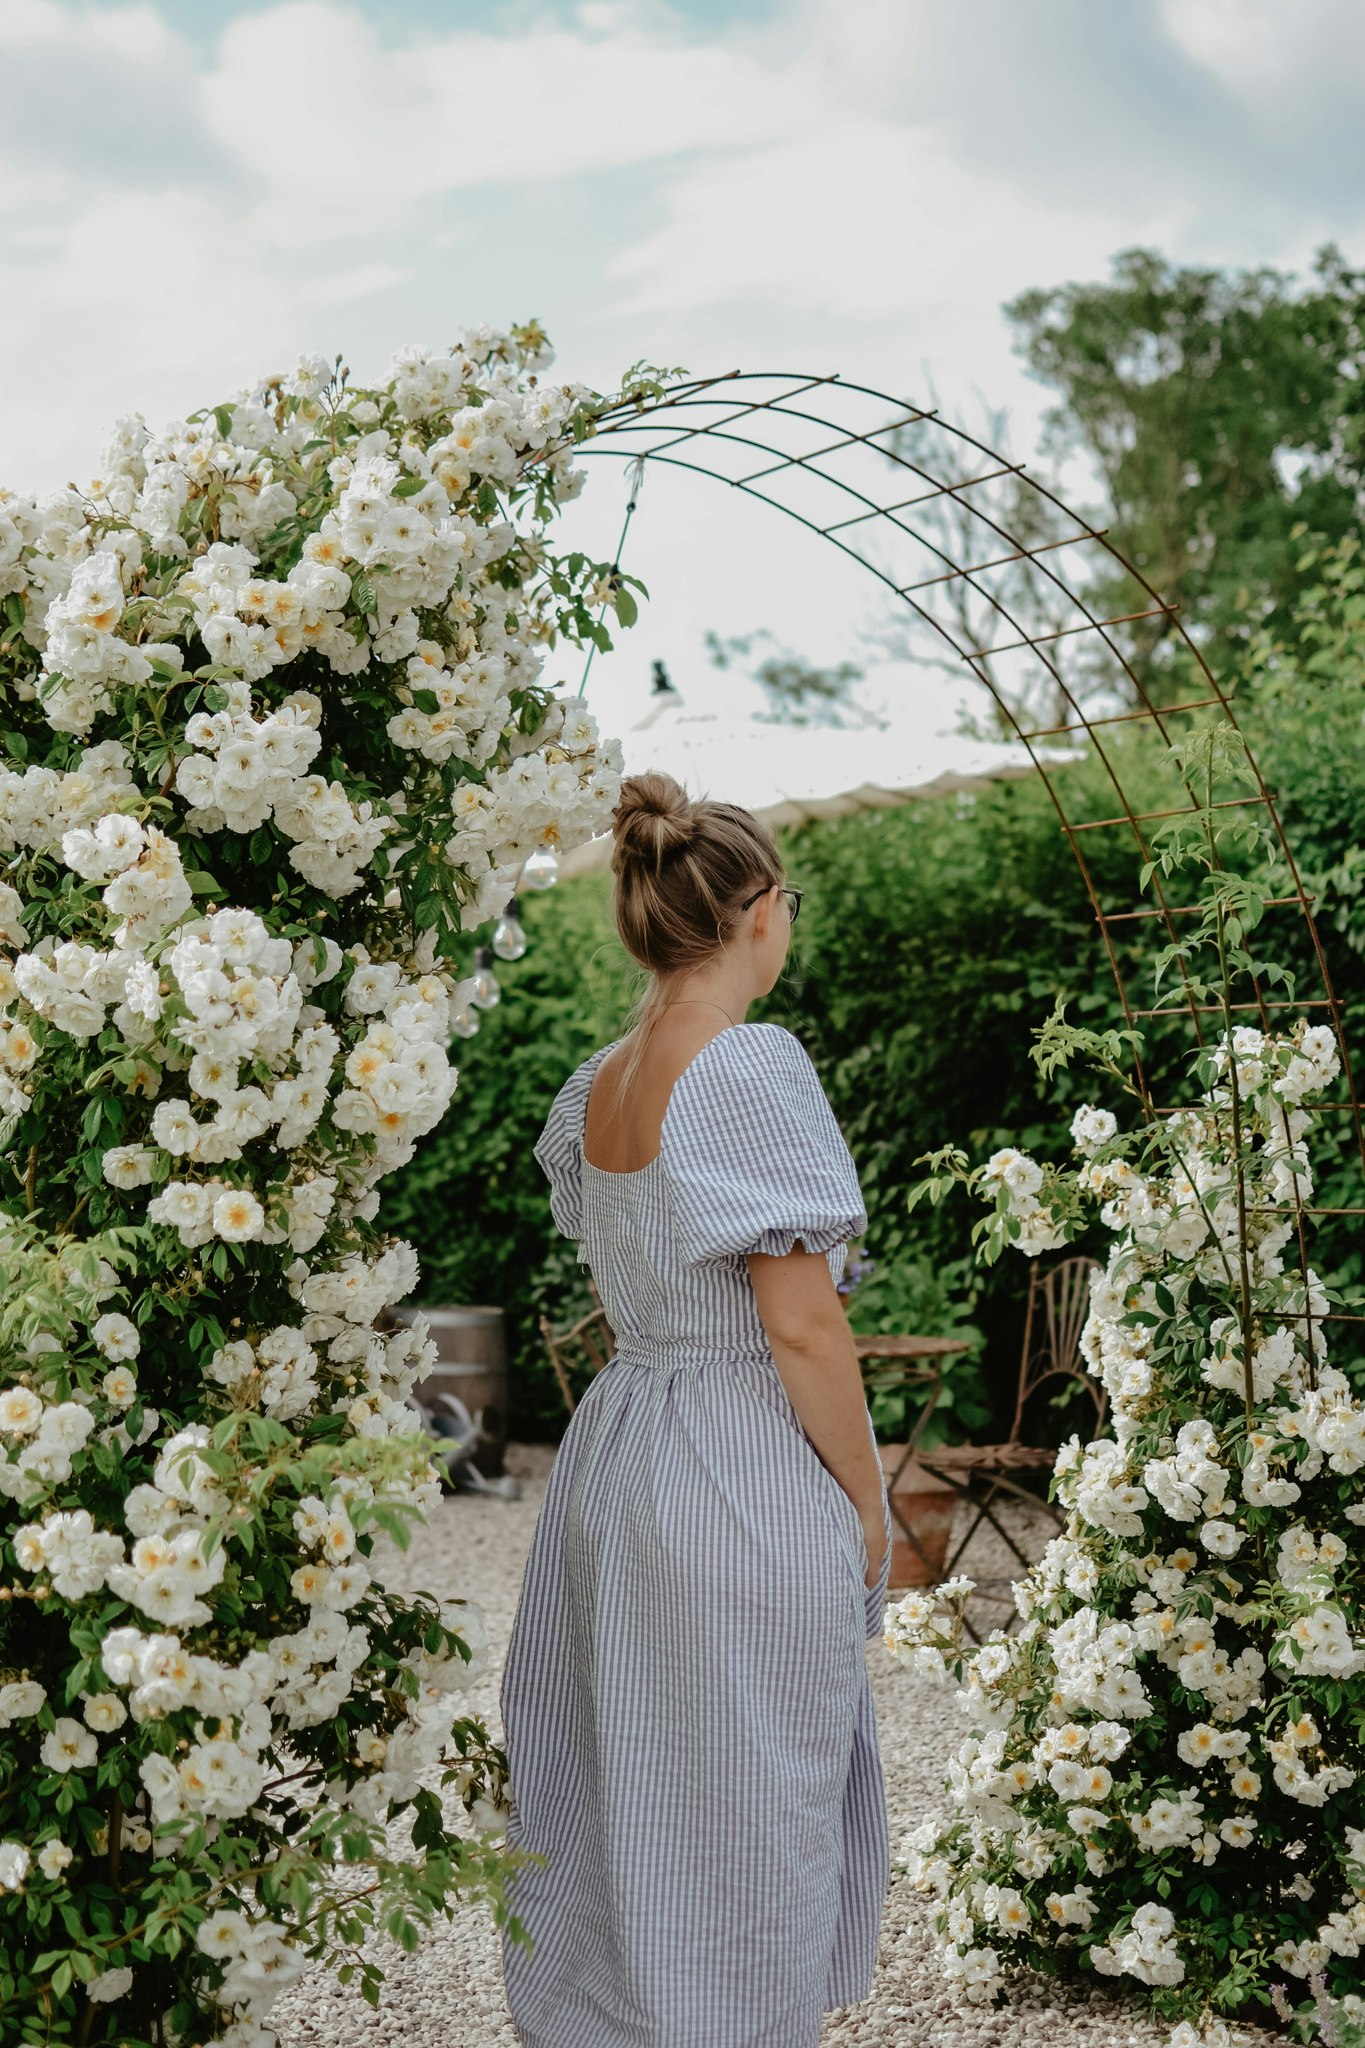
(653,818)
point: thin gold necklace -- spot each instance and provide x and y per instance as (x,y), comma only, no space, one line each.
(679,1001)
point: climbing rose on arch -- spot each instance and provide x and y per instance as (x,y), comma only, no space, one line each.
(1164,1783)
(279,729)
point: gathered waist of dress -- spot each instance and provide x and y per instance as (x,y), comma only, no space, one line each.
(668,1353)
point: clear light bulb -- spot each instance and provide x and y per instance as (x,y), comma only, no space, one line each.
(485,994)
(464,1023)
(509,937)
(541,871)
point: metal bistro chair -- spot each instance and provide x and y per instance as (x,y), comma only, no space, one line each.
(590,1339)
(1058,1303)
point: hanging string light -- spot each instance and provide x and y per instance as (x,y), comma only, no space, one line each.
(541,871)
(635,476)
(484,992)
(509,936)
(480,990)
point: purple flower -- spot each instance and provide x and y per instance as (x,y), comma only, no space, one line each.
(856,1269)
(1326,2016)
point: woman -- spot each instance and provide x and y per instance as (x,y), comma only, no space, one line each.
(690,1729)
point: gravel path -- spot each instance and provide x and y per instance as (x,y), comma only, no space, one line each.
(449,1995)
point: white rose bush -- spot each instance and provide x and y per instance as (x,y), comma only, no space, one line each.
(1165,1784)
(274,744)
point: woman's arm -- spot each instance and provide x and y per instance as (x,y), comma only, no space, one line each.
(813,1350)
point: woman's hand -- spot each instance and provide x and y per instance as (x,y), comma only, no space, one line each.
(874,1536)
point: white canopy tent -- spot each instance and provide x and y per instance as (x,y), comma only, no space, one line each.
(786,774)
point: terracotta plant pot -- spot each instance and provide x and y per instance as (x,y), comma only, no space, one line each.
(927,1505)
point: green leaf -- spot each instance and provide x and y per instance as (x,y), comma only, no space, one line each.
(202,883)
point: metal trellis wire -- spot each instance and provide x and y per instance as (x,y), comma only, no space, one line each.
(951,528)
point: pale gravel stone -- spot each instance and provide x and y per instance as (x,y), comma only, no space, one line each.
(449,1995)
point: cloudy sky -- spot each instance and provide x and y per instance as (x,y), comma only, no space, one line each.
(194,190)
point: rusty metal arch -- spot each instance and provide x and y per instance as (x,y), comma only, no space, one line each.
(863,470)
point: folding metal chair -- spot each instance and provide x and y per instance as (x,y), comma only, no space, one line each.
(589,1341)
(1058,1303)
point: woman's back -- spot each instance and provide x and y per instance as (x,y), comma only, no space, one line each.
(632,1082)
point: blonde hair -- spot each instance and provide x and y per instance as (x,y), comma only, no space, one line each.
(682,867)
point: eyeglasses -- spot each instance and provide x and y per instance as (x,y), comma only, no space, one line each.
(793,897)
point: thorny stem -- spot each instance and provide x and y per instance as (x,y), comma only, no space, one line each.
(291,1777)
(1239,1177)
(1171,1146)
(1204,1209)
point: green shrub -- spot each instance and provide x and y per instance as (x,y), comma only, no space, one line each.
(474,1199)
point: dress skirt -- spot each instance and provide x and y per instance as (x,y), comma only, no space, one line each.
(691,1739)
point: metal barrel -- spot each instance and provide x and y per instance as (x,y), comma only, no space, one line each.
(472,1363)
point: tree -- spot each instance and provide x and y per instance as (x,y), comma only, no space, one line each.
(992,571)
(798,693)
(1220,411)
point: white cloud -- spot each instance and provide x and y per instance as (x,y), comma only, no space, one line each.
(864,218)
(155,303)
(1286,64)
(382,126)
(119,32)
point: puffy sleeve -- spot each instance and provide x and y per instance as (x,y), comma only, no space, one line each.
(559,1148)
(753,1154)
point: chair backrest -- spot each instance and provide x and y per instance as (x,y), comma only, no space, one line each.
(590,1341)
(1058,1304)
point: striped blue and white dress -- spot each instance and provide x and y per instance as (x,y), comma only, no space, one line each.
(690,1730)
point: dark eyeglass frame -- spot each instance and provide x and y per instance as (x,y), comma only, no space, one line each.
(793,897)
